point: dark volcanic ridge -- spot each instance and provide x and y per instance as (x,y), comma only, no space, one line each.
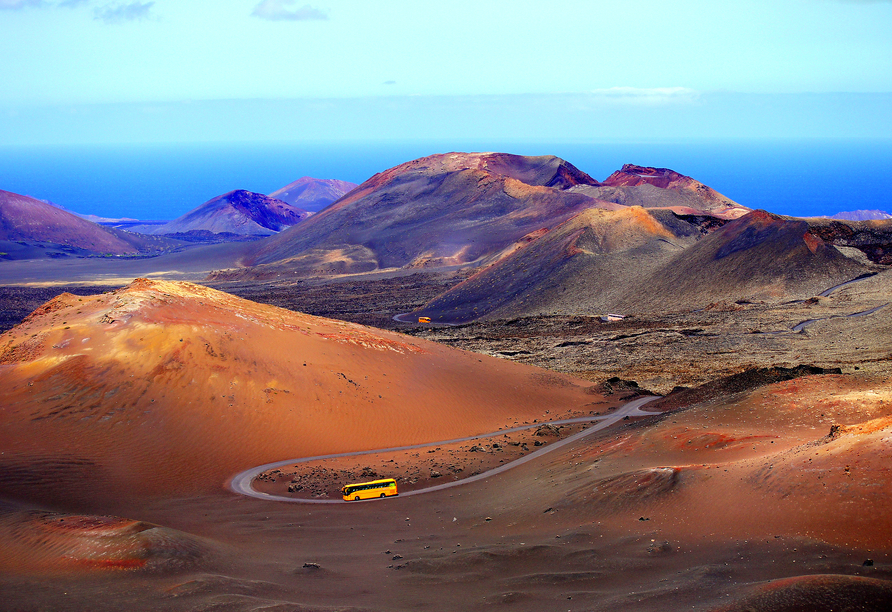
(637,260)
(238,212)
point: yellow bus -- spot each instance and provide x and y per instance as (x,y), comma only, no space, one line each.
(424,319)
(368,490)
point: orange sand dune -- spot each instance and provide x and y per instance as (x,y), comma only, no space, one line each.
(806,458)
(171,387)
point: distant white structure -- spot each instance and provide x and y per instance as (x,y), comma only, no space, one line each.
(610,317)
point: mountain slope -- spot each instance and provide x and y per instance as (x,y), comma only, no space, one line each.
(162,387)
(313,194)
(581,266)
(444,209)
(757,257)
(663,188)
(27,219)
(239,212)
(634,260)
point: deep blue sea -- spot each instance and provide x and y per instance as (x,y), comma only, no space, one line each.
(158,182)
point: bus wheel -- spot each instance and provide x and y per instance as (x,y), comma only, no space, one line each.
(383,495)
(356,498)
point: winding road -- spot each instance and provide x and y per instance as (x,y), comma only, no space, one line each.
(241,483)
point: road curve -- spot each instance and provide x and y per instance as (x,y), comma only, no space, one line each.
(241,483)
(401,318)
(800,326)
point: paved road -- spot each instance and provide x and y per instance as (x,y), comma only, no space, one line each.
(241,483)
(408,317)
(800,326)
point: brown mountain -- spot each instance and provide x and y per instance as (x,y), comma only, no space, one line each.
(23,218)
(582,266)
(238,212)
(460,209)
(664,188)
(313,194)
(636,259)
(757,257)
(448,209)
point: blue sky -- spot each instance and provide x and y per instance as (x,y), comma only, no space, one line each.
(166,70)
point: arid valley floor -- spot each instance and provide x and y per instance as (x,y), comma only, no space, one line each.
(760,479)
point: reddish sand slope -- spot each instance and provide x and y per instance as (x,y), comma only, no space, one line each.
(172,387)
(40,541)
(806,458)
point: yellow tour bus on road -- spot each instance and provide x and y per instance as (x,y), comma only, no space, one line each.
(368,490)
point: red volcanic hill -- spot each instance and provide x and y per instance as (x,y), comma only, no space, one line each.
(444,209)
(238,212)
(663,188)
(313,194)
(26,219)
(167,387)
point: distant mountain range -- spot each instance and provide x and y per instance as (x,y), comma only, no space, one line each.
(540,235)
(862,215)
(546,238)
(459,209)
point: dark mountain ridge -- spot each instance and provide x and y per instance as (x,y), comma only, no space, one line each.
(239,212)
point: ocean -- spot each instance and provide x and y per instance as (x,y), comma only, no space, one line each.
(162,182)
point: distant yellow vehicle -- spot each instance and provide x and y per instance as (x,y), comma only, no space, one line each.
(424,319)
(368,490)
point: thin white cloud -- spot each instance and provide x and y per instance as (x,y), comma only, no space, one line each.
(119,13)
(72,3)
(280,10)
(648,95)
(14,5)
